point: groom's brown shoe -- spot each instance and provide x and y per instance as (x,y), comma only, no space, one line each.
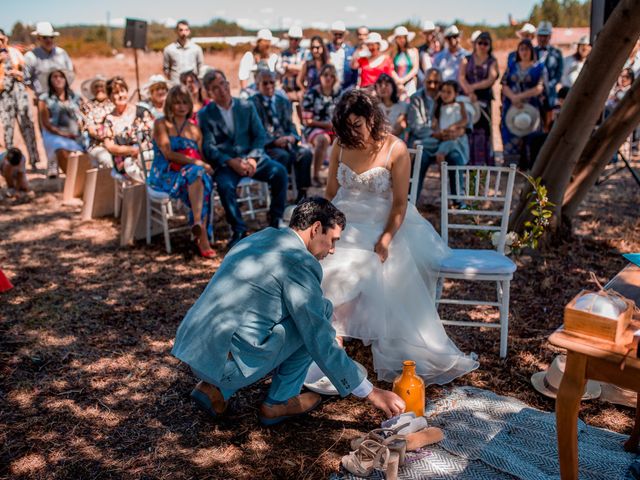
(209,399)
(299,405)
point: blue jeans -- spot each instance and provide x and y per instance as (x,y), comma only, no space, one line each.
(268,171)
(452,158)
(289,368)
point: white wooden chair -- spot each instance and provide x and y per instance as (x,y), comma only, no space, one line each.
(255,195)
(416,155)
(487,194)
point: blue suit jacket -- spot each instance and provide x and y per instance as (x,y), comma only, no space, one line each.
(283,113)
(268,277)
(219,145)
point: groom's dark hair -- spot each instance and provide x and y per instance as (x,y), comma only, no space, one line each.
(316,209)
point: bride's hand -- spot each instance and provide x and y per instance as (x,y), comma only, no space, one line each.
(382,247)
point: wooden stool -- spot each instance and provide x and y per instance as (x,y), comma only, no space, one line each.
(98,193)
(76,169)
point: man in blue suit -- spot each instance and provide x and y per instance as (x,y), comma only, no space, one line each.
(283,140)
(264,311)
(233,144)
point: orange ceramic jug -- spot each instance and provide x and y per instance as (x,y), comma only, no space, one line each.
(410,388)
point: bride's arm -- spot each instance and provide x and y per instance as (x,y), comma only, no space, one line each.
(400,167)
(332,177)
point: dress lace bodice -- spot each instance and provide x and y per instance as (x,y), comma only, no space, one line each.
(374,180)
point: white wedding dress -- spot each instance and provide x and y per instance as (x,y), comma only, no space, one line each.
(389,305)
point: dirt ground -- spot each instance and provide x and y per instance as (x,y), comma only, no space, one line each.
(89,389)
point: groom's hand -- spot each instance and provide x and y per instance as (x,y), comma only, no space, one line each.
(390,403)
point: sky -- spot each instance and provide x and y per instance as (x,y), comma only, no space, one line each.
(253,14)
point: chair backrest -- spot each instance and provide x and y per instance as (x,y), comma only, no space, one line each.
(146,154)
(486,194)
(415,154)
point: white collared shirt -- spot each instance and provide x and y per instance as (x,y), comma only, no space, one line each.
(227,116)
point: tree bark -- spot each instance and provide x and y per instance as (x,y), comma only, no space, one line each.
(582,108)
(601,147)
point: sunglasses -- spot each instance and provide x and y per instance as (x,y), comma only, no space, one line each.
(316,47)
(268,82)
(338,34)
(483,44)
(433,82)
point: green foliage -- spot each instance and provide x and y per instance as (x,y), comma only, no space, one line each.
(21,33)
(562,13)
(538,207)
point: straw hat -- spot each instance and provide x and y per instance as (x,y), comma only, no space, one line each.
(524,120)
(548,382)
(402,31)
(619,396)
(527,29)
(451,31)
(45,29)
(86,87)
(375,37)
(154,80)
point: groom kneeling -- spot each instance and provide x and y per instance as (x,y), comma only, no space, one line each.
(264,311)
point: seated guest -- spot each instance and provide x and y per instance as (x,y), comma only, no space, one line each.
(95,110)
(233,141)
(254,319)
(260,58)
(392,107)
(310,74)
(290,65)
(14,171)
(419,121)
(623,84)
(59,110)
(154,92)
(124,127)
(371,61)
(178,168)
(193,85)
(317,109)
(283,141)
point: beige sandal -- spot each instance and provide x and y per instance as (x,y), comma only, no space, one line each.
(394,442)
(428,436)
(368,456)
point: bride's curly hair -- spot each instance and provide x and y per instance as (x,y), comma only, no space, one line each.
(363,104)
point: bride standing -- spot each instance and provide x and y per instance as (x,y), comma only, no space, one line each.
(382,277)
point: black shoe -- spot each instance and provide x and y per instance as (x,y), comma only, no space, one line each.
(235,238)
(273,221)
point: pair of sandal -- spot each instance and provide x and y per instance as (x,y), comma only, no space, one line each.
(385,449)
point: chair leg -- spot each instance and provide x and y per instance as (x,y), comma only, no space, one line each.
(505,286)
(117,199)
(165,228)
(266,195)
(148,220)
(249,195)
(212,220)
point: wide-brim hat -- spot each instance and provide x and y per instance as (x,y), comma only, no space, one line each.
(265,34)
(338,26)
(43,77)
(619,396)
(526,28)
(295,32)
(523,120)
(86,86)
(402,31)
(45,29)
(545,28)
(451,31)
(548,382)
(318,382)
(375,37)
(428,26)
(154,80)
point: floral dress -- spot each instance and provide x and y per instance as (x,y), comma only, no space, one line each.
(133,127)
(319,107)
(165,177)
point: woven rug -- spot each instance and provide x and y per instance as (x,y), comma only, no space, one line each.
(491,437)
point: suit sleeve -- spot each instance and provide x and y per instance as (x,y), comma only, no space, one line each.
(311,313)
(257,132)
(216,157)
(419,127)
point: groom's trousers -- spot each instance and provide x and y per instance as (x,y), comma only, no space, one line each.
(289,366)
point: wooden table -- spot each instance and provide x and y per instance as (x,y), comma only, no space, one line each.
(593,359)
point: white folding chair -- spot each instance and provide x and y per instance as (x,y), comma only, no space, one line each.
(487,193)
(414,181)
(255,195)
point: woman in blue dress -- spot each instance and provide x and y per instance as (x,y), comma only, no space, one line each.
(178,168)
(523,82)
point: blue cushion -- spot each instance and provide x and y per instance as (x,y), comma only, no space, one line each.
(477,261)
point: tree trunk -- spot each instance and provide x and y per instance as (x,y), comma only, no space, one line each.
(582,108)
(601,147)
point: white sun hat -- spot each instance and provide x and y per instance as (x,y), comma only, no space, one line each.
(522,121)
(474,36)
(428,26)
(86,87)
(548,382)
(265,34)
(156,79)
(545,28)
(402,31)
(375,37)
(527,29)
(338,26)
(451,31)
(295,32)
(45,29)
